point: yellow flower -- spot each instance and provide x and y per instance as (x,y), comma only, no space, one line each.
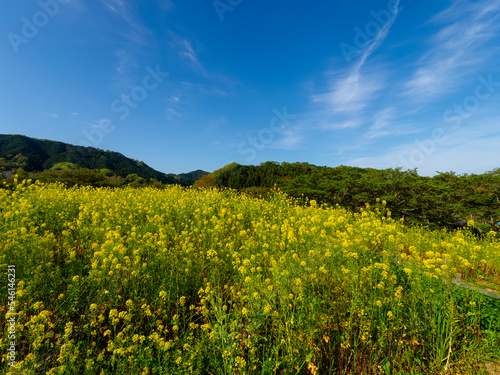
(37,305)
(68,329)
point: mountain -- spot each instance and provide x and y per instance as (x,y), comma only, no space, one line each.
(188,179)
(32,154)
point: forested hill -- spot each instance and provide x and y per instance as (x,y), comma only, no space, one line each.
(35,155)
(435,201)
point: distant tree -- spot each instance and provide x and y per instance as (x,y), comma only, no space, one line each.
(206,182)
(106,172)
(20,161)
(64,166)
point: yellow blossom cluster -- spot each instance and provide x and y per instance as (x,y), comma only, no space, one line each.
(188,281)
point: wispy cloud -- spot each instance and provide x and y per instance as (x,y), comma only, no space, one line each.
(342,106)
(339,125)
(459,152)
(352,90)
(352,102)
(124,61)
(350,93)
(388,123)
(172,114)
(382,125)
(135,30)
(460,157)
(455,49)
(185,51)
(135,38)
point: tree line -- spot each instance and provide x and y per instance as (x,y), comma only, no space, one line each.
(436,202)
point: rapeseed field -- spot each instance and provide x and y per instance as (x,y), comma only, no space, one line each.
(185,281)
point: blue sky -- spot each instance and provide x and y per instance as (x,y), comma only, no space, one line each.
(200,84)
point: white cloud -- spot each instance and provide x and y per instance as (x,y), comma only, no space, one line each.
(188,52)
(463,157)
(389,123)
(184,49)
(470,149)
(135,30)
(124,60)
(454,51)
(172,114)
(350,93)
(341,124)
(352,90)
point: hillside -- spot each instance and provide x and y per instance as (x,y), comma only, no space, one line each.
(36,155)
